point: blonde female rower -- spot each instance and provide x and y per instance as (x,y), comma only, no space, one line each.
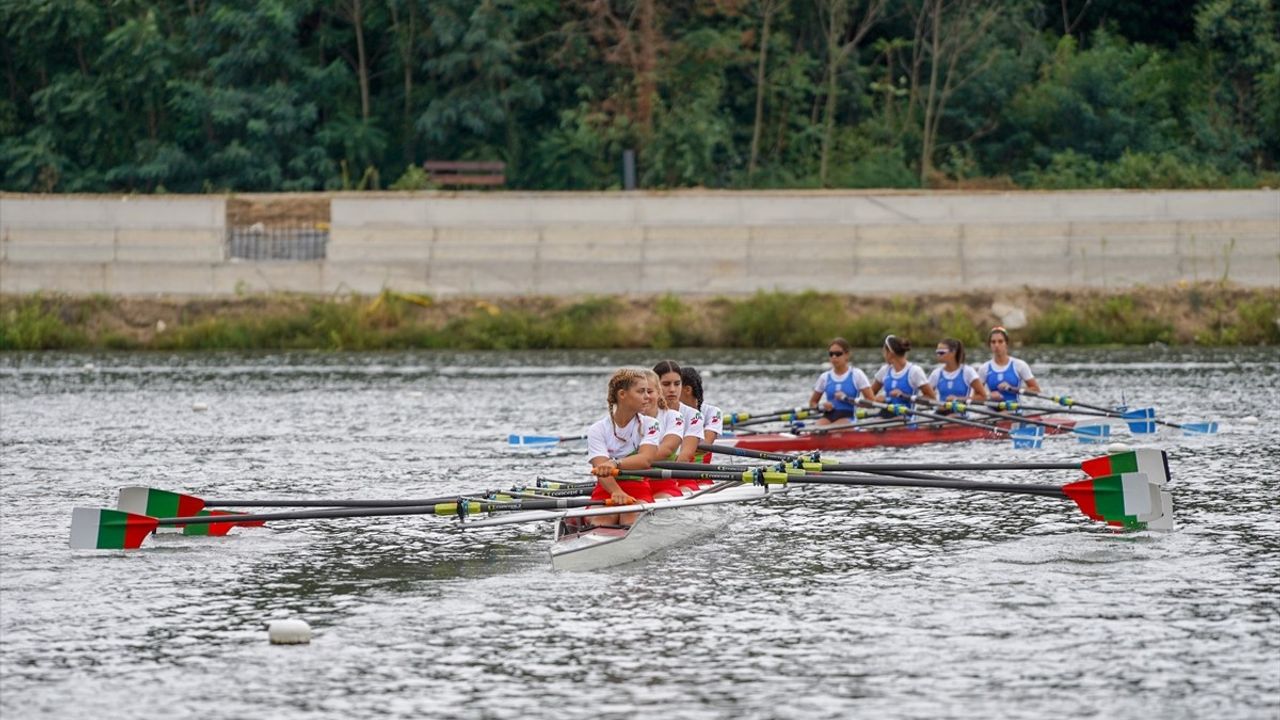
(624,439)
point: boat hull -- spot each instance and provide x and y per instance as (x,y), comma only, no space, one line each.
(662,525)
(898,436)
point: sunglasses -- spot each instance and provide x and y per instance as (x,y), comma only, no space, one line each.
(833,353)
(941,352)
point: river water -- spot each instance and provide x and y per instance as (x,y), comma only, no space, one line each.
(827,602)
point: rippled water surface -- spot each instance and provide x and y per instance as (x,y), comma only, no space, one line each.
(827,602)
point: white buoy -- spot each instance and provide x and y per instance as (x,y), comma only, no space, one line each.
(289,632)
(1250,420)
(1118,447)
(199,406)
(90,367)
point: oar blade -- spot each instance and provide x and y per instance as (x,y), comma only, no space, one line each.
(1027,437)
(1120,499)
(157,503)
(216,529)
(1140,420)
(1204,428)
(103,529)
(522,440)
(1092,432)
(1151,462)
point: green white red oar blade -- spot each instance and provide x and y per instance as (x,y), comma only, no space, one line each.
(102,529)
(158,503)
(1149,461)
(1121,498)
(216,529)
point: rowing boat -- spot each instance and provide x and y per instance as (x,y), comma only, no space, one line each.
(890,436)
(579,546)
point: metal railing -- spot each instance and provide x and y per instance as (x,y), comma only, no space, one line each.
(259,242)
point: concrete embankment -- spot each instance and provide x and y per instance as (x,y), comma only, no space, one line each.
(689,242)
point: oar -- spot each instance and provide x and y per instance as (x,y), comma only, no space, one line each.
(737,419)
(1089,433)
(103,529)
(542,440)
(167,504)
(1067,401)
(1022,437)
(1149,461)
(1129,500)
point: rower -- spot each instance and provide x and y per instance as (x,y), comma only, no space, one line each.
(898,377)
(670,386)
(691,395)
(952,379)
(671,434)
(841,386)
(1004,375)
(624,439)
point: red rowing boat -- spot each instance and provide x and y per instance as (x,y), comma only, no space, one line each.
(891,436)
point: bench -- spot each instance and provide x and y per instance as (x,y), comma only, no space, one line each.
(462,172)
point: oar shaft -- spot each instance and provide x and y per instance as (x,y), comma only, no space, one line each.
(335,513)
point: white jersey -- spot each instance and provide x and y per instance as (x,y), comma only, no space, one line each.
(957,383)
(915,375)
(694,424)
(713,418)
(606,440)
(860,380)
(993,374)
(670,422)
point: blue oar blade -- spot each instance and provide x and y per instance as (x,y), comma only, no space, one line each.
(532,440)
(1207,428)
(1092,433)
(1140,420)
(1027,437)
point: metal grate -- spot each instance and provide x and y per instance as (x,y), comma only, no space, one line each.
(259,242)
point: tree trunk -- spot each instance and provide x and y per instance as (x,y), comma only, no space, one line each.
(362,63)
(928,127)
(647,75)
(767,8)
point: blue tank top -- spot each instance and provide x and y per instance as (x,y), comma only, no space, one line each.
(955,386)
(995,377)
(846,385)
(898,382)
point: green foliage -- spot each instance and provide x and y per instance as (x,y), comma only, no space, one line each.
(36,323)
(284,95)
(778,320)
(1109,321)
(414,178)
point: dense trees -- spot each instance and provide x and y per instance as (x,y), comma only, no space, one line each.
(148,96)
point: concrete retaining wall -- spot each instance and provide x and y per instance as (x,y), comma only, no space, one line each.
(686,242)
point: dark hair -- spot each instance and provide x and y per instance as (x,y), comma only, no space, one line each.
(956,346)
(896,345)
(1002,331)
(666,366)
(690,378)
(844,344)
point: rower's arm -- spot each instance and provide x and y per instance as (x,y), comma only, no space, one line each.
(642,460)
(814,398)
(1033,386)
(928,391)
(688,448)
(978,390)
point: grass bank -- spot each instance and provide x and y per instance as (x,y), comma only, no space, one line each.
(1204,314)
